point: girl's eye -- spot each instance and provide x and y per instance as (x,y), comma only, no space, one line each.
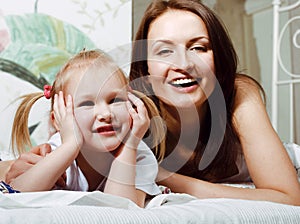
(86,104)
(117,100)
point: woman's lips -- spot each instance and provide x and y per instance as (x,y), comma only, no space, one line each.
(185,84)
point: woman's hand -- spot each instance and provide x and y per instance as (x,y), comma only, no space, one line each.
(65,122)
(28,160)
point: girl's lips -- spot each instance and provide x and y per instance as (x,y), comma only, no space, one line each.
(106,130)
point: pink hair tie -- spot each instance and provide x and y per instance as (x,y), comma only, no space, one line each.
(47,91)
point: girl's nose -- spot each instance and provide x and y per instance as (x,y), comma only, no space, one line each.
(104,117)
(103,114)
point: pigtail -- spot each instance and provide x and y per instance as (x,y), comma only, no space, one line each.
(20,137)
(156,135)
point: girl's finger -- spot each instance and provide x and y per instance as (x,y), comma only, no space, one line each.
(55,106)
(61,103)
(69,105)
(130,109)
(135,100)
(139,104)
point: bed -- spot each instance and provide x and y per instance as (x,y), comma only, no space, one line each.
(96,207)
(60,206)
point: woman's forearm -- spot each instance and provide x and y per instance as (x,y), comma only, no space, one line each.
(203,189)
(4,167)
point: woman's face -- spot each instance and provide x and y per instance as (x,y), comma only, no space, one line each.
(180,59)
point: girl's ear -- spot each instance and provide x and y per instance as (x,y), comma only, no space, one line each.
(53,121)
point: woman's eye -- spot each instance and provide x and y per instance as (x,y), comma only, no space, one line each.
(198,49)
(164,52)
(86,104)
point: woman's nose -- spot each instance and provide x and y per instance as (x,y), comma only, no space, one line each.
(183,60)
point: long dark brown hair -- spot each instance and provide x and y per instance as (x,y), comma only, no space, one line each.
(225,60)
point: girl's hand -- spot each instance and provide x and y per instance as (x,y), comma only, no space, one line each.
(65,122)
(140,120)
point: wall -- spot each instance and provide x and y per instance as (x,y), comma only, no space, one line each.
(37,37)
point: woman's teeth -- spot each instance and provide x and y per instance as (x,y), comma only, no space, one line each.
(184,82)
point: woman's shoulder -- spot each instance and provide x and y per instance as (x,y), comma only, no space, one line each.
(245,83)
(248,89)
(249,97)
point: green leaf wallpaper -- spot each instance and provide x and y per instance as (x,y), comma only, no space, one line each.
(36,39)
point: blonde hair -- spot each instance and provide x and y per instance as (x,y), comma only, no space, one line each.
(20,137)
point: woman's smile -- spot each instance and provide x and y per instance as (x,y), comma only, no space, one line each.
(185,84)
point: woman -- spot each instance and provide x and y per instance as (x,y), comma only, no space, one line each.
(218,127)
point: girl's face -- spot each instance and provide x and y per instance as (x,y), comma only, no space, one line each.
(100,108)
(180,59)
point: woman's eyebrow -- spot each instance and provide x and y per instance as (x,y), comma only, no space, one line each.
(169,42)
(205,38)
(164,41)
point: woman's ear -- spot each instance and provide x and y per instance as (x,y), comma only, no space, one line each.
(53,121)
(147,79)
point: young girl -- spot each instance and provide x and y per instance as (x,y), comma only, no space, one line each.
(101,125)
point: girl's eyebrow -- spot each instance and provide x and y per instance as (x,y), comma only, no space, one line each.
(120,92)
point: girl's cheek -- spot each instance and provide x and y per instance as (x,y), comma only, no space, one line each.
(83,117)
(122,113)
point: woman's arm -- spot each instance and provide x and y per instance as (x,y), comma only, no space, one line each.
(268,163)
(12,168)
(4,168)
(121,179)
(45,173)
(28,159)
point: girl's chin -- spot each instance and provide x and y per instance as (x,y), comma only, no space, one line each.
(104,148)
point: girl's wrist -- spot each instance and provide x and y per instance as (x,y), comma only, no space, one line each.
(73,145)
(132,142)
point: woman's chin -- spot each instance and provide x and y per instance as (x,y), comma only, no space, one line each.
(184,103)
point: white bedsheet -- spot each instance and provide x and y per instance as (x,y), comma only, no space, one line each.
(69,207)
(97,207)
